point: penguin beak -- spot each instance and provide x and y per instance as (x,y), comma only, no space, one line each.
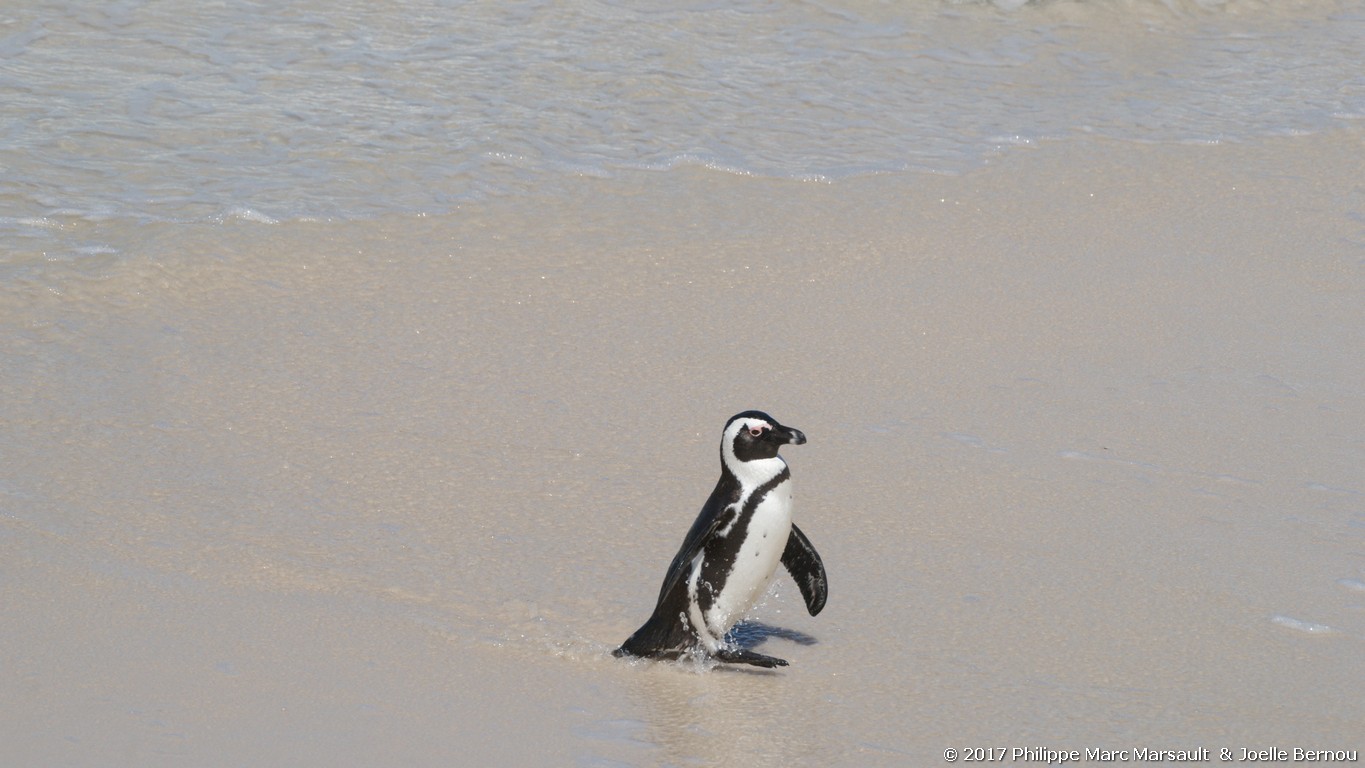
(793,436)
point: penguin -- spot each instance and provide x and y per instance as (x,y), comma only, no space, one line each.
(729,555)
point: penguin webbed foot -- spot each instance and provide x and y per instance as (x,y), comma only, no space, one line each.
(746,656)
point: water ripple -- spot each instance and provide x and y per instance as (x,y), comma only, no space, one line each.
(190,111)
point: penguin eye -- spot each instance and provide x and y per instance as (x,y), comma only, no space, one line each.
(756,431)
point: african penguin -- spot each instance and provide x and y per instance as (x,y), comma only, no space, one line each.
(744,530)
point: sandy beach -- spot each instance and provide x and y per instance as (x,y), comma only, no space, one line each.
(1087,432)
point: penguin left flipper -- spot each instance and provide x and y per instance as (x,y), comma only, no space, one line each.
(805,566)
(746,656)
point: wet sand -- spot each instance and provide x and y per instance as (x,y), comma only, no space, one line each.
(1086,426)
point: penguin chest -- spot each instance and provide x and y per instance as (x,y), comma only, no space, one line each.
(757,550)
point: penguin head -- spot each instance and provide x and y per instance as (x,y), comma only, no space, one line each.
(754,436)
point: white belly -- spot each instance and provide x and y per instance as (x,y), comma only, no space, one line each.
(759,555)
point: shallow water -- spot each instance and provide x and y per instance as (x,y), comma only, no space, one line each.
(169,110)
(326,437)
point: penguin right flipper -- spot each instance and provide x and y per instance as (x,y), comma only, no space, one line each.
(713,517)
(806,567)
(746,656)
(665,635)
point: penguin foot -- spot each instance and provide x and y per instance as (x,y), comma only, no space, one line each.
(745,656)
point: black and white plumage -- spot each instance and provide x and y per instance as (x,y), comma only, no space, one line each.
(744,530)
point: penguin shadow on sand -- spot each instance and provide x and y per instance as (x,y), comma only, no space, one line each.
(748,635)
(751,634)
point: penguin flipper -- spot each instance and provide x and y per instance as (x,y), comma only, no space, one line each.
(712,518)
(806,567)
(668,634)
(746,656)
